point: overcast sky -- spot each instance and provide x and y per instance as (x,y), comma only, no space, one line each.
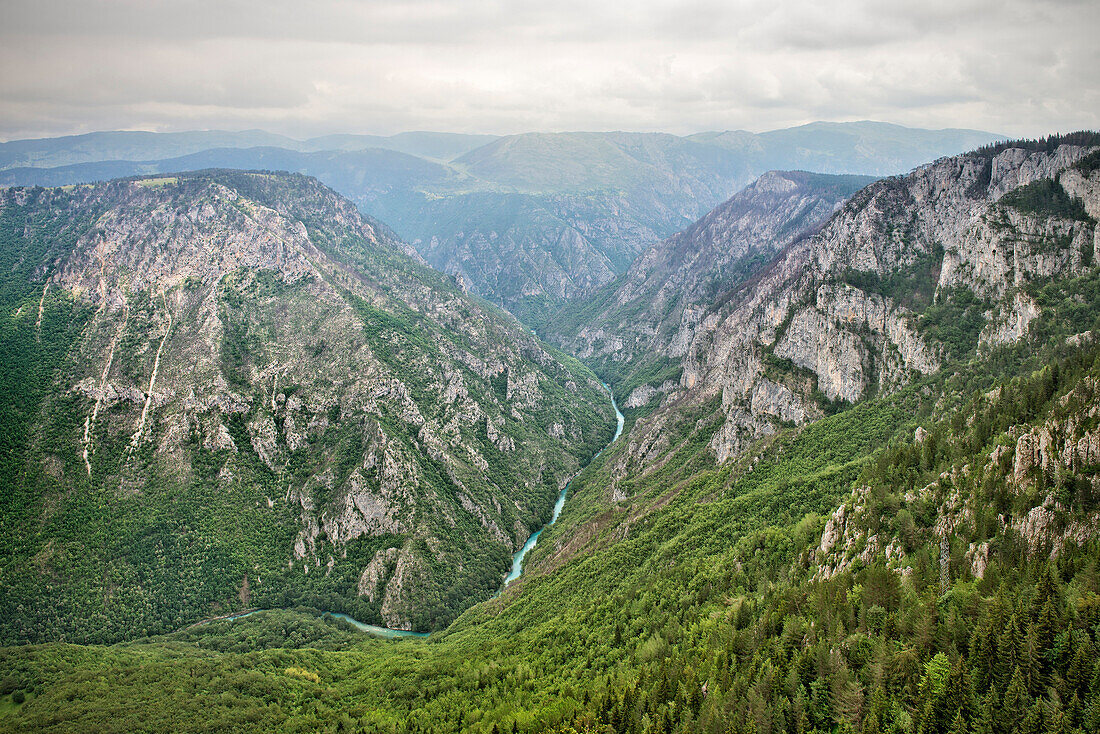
(303,68)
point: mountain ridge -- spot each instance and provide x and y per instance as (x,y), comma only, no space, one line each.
(534,220)
(272,397)
(921,557)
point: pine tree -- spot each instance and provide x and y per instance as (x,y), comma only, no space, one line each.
(984,722)
(1030,663)
(982,654)
(1014,708)
(1074,712)
(1055,718)
(1045,628)
(1080,667)
(1033,721)
(958,726)
(1009,645)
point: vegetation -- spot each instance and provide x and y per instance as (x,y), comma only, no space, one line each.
(911,286)
(1046,198)
(705,603)
(915,563)
(1047,144)
(149,541)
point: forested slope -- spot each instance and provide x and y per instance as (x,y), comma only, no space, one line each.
(228,389)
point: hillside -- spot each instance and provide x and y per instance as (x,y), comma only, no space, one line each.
(635,329)
(224,390)
(919,558)
(911,274)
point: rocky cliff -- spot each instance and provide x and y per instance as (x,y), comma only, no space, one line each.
(269,399)
(911,274)
(641,325)
(1011,473)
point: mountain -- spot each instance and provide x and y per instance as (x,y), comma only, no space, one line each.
(371,173)
(147,146)
(229,389)
(431,145)
(128,146)
(531,221)
(581,206)
(913,273)
(634,330)
(920,557)
(586,162)
(876,148)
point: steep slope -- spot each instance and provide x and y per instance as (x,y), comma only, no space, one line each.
(244,393)
(634,330)
(912,273)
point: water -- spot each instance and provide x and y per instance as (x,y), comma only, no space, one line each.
(363,627)
(376,630)
(517,559)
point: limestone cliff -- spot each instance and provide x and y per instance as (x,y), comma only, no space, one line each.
(638,329)
(910,274)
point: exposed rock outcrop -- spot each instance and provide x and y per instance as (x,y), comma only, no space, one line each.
(854,308)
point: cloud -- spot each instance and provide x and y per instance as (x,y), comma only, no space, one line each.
(382,66)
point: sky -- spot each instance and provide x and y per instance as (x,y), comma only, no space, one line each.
(306,68)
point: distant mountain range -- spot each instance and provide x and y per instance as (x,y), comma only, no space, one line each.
(147,146)
(527,221)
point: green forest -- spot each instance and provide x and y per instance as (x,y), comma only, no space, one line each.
(138,545)
(715,610)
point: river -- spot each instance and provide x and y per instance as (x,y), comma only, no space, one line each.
(361,626)
(517,559)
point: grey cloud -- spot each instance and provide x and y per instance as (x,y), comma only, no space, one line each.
(1017,66)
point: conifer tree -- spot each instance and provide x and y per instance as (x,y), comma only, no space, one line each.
(1080,667)
(984,722)
(958,726)
(982,654)
(1033,721)
(1009,646)
(1014,707)
(1045,627)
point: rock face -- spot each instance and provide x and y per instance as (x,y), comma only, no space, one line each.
(345,417)
(1041,512)
(909,274)
(652,314)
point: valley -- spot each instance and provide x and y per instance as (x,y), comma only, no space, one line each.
(517,559)
(820,457)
